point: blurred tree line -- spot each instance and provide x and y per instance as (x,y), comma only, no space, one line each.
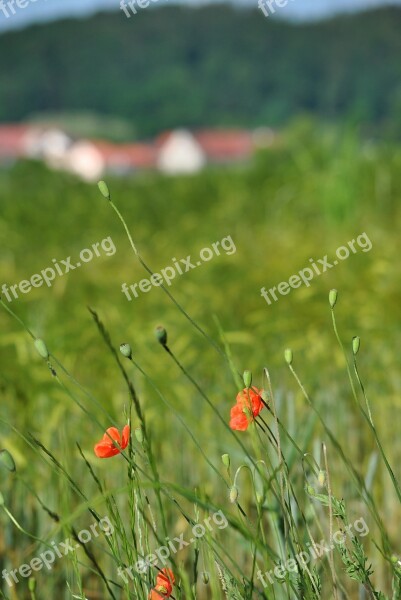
(214,65)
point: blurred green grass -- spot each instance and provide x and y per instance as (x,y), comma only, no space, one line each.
(315,191)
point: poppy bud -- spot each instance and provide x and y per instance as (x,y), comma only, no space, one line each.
(205,577)
(310,490)
(7,461)
(333,298)
(395,560)
(226,460)
(259,498)
(32,584)
(41,348)
(233,494)
(321,478)
(247,377)
(288,356)
(139,434)
(161,335)
(356,343)
(104,189)
(126,351)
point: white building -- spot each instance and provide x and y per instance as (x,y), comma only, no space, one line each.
(180,153)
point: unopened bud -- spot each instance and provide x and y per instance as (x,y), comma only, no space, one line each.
(356,343)
(104,189)
(310,490)
(233,494)
(321,478)
(139,434)
(126,350)
(226,460)
(41,348)
(247,377)
(161,335)
(32,584)
(7,461)
(333,298)
(288,356)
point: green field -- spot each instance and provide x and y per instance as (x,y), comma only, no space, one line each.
(315,191)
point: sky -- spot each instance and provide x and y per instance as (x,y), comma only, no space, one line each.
(42,10)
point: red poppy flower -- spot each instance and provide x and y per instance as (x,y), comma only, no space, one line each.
(164,585)
(106,448)
(249,404)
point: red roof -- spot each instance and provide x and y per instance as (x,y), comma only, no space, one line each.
(225,144)
(12,140)
(130,155)
(219,144)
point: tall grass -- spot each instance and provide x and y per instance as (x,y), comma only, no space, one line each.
(317,462)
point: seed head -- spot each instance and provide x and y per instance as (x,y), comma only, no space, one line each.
(233,494)
(356,343)
(288,356)
(161,335)
(126,350)
(41,348)
(7,461)
(247,377)
(104,189)
(139,434)
(333,298)
(226,460)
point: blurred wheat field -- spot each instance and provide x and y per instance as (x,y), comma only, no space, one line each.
(316,191)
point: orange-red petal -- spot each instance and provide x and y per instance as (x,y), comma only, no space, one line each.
(113,433)
(106,448)
(251,398)
(239,420)
(125,437)
(165,577)
(153,595)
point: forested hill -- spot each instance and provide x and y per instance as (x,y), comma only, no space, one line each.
(216,65)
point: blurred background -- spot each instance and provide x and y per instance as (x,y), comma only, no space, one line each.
(206,120)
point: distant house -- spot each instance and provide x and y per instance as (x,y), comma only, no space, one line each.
(225,146)
(182,151)
(179,153)
(49,144)
(12,142)
(174,152)
(90,159)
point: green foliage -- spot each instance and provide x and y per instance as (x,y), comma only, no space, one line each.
(292,203)
(206,66)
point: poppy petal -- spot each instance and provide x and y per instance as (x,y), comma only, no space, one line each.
(112,432)
(153,595)
(105,450)
(166,578)
(125,437)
